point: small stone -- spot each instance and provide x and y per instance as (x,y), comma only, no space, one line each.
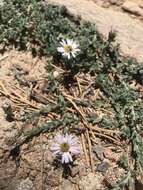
(103,167)
(99,152)
(132,8)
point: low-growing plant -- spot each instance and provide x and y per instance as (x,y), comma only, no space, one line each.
(40,27)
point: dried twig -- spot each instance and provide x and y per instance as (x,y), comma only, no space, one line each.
(90,149)
(79,87)
(95,128)
(84,149)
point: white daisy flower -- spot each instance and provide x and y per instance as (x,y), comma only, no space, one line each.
(66,146)
(68,48)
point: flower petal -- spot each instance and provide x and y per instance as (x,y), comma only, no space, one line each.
(58,139)
(72,140)
(66,157)
(55,147)
(60,49)
(69,42)
(69,56)
(74,150)
(63,43)
(57,152)
(75,45)
(73,54)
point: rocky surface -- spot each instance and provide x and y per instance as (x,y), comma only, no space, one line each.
(132,8)
(129,30)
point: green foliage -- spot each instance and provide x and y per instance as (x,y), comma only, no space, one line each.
(31,24)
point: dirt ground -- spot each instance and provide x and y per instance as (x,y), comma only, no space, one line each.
(33,168)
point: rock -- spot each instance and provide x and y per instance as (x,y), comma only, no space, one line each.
(132,8)
(25,185)
(103,167)
(99,152)
(91,182)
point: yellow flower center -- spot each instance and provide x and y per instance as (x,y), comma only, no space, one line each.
(64,147)
(68,48)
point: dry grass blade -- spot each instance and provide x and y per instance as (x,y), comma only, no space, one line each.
(79,87)
(90,149)
(15,97)
(85,150)
(94,128)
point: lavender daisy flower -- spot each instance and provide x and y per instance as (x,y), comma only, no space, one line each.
(66,146)
(68,48)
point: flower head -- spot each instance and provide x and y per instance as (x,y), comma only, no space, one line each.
(66,146)
(68,48)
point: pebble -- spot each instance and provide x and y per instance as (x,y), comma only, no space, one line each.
(103,167)
(99,152)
